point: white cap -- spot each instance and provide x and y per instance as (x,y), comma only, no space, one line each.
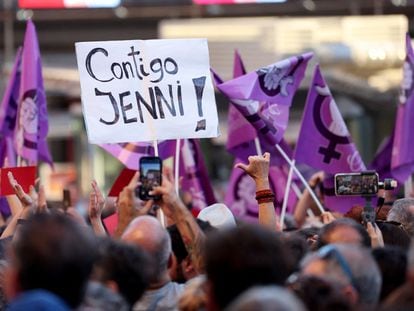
(218,215)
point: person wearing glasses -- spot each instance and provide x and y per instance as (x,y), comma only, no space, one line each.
(351,267)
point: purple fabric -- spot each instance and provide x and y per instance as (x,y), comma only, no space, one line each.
(402,161)
(241,193)
(324,142)
(8,110)
(193,172)
(130,153)
(32,122)
(242,134)
(264,96)
(382,159)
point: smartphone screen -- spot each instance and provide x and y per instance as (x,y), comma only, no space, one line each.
(365,183)
(150,176)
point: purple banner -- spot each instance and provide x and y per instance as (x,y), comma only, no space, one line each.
(402,161)
(324,142)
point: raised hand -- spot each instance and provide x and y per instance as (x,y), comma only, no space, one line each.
(258,167)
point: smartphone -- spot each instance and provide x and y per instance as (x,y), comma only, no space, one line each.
(150,169)
(362,184)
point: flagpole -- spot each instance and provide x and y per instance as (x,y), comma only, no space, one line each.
(155,145)
(302,179)
(177,165)
(258,147)
(286,196)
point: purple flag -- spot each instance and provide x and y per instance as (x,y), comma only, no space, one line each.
(324,142)
(237,124)
(242,134)
(382,160)
(241,193)
(402,161)
(130,153)
(8,110)
(195,180)
(264,96)
(32,122)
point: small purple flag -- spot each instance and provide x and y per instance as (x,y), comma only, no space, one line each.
(32,122)
(241,193)
(130,153)
(264,96)
(402,161)
(324,142)
(8,110)
(195,180)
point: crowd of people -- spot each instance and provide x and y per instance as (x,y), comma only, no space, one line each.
(161,257)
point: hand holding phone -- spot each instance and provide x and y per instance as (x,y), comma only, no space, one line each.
(150,176)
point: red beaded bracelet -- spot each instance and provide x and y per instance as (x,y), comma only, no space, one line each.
(265,196)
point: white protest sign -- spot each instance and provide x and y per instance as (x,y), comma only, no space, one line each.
(141,90)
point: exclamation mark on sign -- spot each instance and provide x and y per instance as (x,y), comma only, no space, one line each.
(199,84)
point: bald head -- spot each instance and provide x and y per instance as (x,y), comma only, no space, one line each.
(147,233)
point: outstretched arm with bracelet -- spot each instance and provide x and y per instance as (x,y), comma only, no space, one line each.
(258,169)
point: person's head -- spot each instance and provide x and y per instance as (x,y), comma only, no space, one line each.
(122,268)
(182,268)
(394,234)
(148,233)
(402,211)
(52,253)
(241,257)
(320,294)
(297,246)
(344,231)
(351,267)
(266,298)
(392,262)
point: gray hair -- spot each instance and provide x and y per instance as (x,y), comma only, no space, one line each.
(366,276)
(400,212)
(267,298)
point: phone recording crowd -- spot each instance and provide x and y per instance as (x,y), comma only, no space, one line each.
(149,250)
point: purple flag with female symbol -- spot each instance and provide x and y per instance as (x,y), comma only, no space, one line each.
(264,96)
(402,161)
(32,121)
(324,142)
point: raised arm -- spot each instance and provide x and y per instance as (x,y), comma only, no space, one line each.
(193,237)
(96,205)
(306,200)
(258,169)
(28,203)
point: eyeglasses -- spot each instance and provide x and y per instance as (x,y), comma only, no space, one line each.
(331,251)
